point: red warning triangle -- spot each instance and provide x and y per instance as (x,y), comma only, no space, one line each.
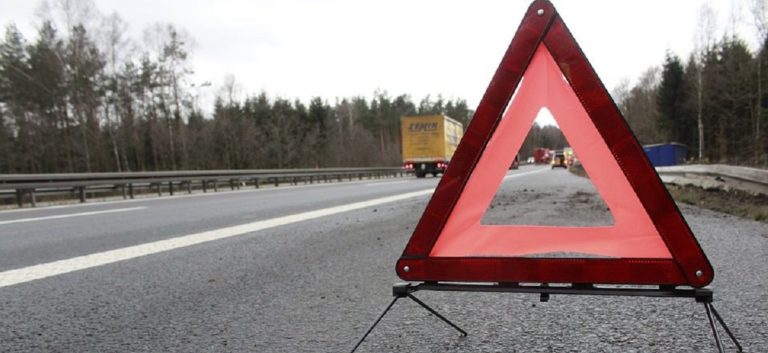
(649,242)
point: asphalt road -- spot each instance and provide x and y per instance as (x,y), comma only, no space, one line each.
(264,271)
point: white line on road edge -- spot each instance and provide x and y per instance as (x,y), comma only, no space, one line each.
(31,273)
(523,174)
(386,183)
(92,213)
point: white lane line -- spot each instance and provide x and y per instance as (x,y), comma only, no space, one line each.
(386,183)
(31,273)
(524,174)
(505,178)
(81,214)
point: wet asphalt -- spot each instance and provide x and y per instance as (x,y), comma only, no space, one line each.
(316,286)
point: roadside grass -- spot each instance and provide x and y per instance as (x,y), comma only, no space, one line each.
(734,202)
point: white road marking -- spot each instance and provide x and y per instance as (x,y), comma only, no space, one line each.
(387,183)
(523,174)
(81,214)
(31,273)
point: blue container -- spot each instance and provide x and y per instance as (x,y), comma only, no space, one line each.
(665,154)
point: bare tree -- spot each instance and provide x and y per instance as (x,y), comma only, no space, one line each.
(114,44)
(66,14)
(170,48)
(230,89)
(704,41)
(760,18)
(638,105)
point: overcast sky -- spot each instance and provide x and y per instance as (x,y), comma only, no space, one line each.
(342,48)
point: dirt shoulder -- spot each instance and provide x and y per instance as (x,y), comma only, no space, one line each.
(734,202)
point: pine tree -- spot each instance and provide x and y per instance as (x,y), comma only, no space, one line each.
(675,121)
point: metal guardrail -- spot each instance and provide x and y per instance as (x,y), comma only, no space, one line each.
(717,176)
(79,185)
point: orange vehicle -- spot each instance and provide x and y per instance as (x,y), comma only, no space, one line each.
(428,143)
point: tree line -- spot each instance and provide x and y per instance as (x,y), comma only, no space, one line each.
(76,100)
(82,96)
(714,101)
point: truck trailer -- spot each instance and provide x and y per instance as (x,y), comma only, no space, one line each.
(542,155)
(429,142)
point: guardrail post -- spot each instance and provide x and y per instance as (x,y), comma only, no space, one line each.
(81,193)
(122,191)
(32,197)
(130,190)
(205,186)
(255,183)
(170,187)
(20,197)
(159,189)
(232,184)
(311,179)
(277,181)
(189,186)
(339,176)
(215,186)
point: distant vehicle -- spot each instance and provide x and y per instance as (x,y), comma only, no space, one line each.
(666,154)
(428,143)
(515,162)
(541,155)
(570,157)
(530,160)
(559,161)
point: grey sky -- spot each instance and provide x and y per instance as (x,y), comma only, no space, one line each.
(341,48)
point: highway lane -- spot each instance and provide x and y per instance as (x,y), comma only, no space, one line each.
(43,239)
(315,285)
(50,234)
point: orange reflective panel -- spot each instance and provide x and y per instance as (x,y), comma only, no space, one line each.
(633,234)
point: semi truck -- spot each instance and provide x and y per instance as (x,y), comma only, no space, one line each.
(542,155)
(428,143)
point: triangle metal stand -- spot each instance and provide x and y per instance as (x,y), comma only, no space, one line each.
(701,295)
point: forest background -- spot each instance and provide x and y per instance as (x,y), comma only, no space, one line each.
(95,100)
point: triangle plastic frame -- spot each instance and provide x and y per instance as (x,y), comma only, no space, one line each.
(688,264)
